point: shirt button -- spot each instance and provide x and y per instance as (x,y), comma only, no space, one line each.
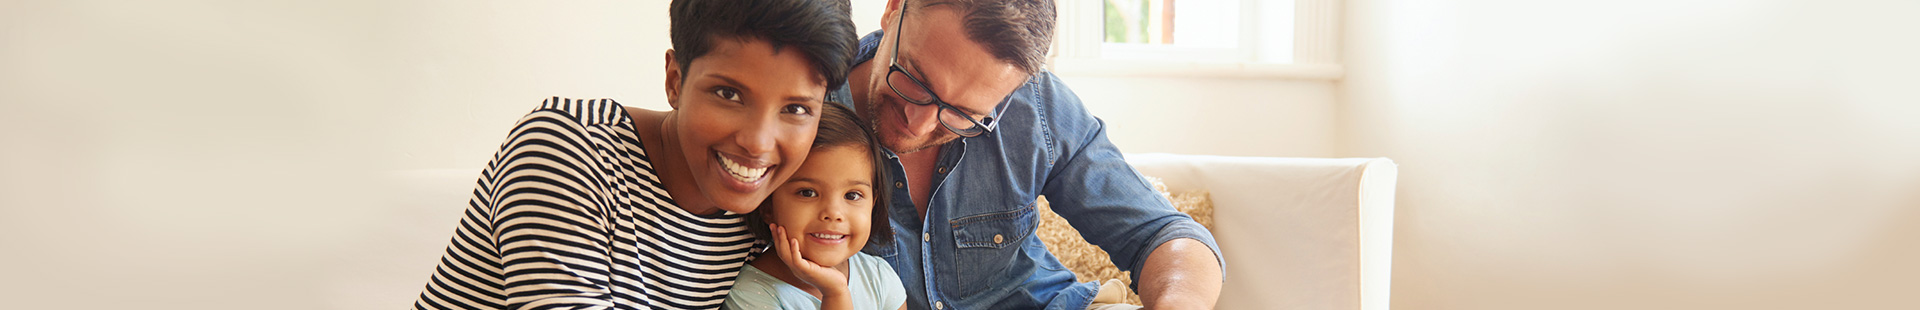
(897,184)
(938,305)
(941,170)
(926,237)
(996,239)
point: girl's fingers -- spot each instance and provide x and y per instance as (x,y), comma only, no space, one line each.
(780,239)
(794,252)
(785,246)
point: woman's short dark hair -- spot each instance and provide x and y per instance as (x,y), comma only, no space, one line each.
(839,127)
(822,29)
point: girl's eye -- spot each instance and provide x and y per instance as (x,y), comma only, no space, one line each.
(727,93)
(807,192)
(855,196)
(797,109)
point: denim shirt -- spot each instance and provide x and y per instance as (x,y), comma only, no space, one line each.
(976,247)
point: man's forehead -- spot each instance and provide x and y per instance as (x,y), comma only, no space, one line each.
(936,49)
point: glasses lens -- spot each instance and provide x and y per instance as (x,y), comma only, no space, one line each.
(959,122)
(908,89)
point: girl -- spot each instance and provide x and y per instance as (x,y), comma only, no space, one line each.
(818,221)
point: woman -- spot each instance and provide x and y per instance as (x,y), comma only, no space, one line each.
(589,204)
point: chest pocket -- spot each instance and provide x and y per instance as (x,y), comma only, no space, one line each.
(994,230)
(988,245)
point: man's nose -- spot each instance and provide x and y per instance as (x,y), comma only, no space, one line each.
(921,118)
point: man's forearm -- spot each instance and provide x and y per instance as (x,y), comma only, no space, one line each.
(1180,274)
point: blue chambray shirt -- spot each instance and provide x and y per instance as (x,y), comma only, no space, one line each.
(976,250)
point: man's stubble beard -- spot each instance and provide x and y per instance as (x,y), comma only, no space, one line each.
(872,112)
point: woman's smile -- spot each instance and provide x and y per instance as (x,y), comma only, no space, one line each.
(746,177)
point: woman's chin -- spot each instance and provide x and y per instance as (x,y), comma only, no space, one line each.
(735,198)
(738,205)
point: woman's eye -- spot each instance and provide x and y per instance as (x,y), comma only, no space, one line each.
(855,196)
(807,192)
(797,109)
(727,93)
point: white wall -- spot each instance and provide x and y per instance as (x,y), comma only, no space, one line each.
(1215,116)
(1644,154)
(236,154)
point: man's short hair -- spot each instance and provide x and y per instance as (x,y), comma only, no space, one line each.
(1015,31)
(822,29)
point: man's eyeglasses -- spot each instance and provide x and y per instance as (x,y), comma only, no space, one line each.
(916,92)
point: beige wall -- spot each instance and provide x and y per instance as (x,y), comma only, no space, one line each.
(1644,154)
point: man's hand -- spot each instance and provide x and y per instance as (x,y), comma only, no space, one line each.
(1180,274)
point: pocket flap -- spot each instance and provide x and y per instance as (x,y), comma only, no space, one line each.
(994,230)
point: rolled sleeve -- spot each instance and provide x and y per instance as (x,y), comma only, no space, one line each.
(1187,229)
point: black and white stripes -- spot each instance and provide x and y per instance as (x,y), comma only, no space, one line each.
(569,215)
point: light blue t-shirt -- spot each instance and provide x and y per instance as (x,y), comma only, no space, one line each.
(870,279)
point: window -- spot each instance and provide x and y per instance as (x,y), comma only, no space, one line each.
(1207,37)
(1148,29)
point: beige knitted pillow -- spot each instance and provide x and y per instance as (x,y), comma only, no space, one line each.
(1088,262)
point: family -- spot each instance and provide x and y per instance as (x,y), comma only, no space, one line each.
(802,166)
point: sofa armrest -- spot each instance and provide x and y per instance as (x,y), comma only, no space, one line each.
(1297,233)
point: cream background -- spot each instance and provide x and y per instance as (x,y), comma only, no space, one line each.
(1637,154)
(1643,154)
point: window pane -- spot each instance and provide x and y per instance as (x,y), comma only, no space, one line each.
(1127,21)
(1185,23)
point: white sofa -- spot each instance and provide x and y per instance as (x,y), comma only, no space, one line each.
(1298,233)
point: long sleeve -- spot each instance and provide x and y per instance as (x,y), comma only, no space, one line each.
(1094,189)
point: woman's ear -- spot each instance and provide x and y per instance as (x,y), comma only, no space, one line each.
(673,81)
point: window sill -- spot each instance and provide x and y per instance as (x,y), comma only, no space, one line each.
(1190,69)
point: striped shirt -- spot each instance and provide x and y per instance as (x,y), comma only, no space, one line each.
(570,214)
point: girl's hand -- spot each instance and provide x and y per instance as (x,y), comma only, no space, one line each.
(831,282)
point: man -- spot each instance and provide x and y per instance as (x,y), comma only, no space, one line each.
(977,131)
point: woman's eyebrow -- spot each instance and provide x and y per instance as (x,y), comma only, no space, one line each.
(801,98)
(747,89)
(731,81)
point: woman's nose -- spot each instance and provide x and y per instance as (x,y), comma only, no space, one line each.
(758,136)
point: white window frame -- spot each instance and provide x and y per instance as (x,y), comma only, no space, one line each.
(1306,48)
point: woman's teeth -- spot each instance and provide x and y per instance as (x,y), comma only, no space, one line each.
(740,172)
(827,236)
